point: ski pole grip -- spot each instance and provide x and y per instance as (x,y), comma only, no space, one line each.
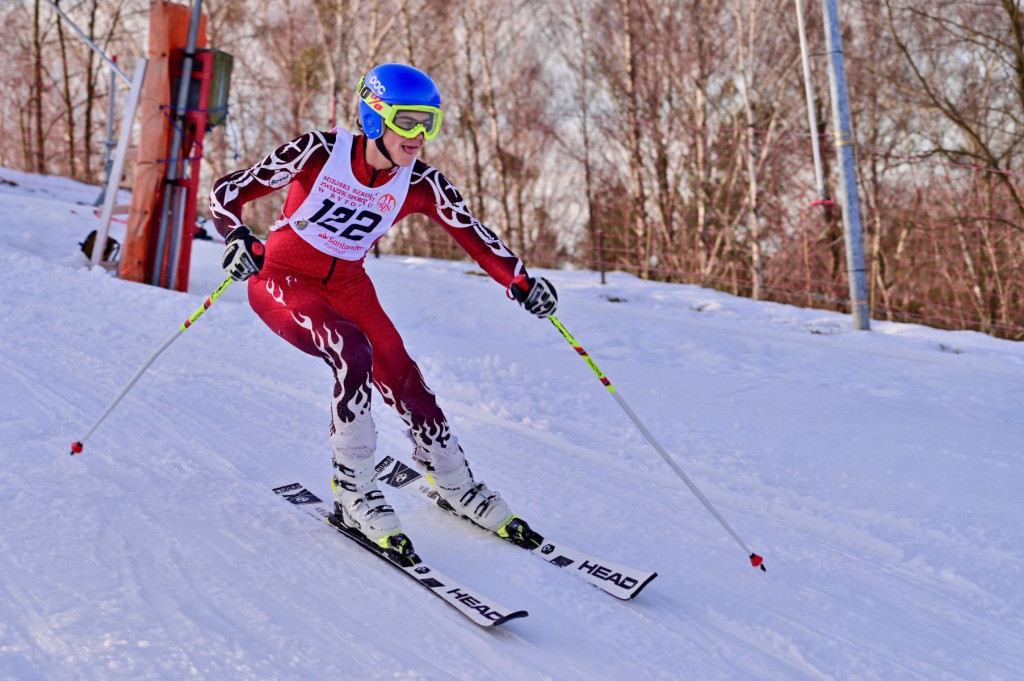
(521,282)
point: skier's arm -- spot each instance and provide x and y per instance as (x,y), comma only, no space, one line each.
(290,161)
(433,195)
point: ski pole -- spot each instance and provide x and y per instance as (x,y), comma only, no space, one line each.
(755,560)
(77,446)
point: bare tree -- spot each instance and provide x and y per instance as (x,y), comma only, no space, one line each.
(975,82)
(352,43)
(36,93)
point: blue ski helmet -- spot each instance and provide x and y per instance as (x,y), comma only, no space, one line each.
(396,85)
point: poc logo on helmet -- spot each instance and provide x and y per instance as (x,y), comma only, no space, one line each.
(377,86)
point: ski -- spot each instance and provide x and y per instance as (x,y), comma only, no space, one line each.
(478,609)
(620,581)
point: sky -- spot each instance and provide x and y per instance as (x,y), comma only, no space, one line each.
(880,474)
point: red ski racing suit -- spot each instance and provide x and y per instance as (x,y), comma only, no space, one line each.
(313,291)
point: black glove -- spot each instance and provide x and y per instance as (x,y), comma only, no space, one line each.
(243,256)
(538,296)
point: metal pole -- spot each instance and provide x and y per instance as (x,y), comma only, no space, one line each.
(109,143)
(847,169)
(171,188)
(117,166)
(812,117)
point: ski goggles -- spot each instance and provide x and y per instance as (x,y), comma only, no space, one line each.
(408,120)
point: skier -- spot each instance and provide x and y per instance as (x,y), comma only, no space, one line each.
(307,283)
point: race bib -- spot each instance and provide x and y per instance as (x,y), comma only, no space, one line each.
(341,216)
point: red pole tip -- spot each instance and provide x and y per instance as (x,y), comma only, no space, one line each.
(757,561)
(76,448)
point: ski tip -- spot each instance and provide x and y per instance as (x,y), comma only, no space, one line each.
(76,448)
(757,561)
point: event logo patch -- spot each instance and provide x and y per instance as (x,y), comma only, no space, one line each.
(386,203)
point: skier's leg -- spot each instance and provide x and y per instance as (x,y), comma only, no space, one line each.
(400,382)
(294,309)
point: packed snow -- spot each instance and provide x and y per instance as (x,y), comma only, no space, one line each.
(879,473)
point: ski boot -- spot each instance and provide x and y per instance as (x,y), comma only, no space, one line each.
(464,496)
(360,505)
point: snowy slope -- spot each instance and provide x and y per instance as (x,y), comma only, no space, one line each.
(880,474)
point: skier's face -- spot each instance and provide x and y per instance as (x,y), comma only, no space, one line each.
(402,149)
